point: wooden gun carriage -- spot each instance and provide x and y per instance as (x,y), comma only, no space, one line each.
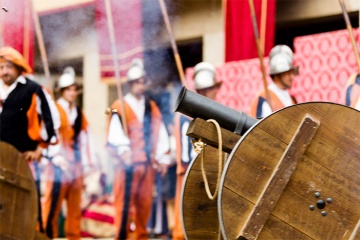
(18,196)
(292,175)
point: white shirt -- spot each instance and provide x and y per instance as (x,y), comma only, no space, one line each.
(71,112)
(283,95)
(185,145)
(357,105)
(117,137)
(6,90)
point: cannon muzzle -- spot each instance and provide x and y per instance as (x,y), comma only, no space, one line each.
(197,106)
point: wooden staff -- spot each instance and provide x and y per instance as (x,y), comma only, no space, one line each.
(349,28)
(173,43)
(116,65)
(1,28)
(43,54)
(263,24)
(260,53)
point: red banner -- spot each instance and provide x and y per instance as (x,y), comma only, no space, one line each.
(239,33)
(17,27)
(127,19)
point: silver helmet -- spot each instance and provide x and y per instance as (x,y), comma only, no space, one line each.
(205,76)
(136,70)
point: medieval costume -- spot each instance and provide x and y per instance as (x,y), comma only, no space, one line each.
(139,154)
(28,116)
(68,162)
(282,72)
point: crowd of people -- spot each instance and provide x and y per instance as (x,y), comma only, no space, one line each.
(55,138)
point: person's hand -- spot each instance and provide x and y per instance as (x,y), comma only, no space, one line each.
(125,158)
(32,156)
(162,169)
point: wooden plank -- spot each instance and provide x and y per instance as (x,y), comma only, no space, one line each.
(293,206)
(200,128)
(16,180)
(280,177)
(246,176)
(200,214)
(277,229)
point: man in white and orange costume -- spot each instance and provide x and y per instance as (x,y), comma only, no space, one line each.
(282,72)
(206,85)
(68,162)
(139,154)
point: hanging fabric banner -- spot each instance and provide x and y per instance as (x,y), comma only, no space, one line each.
(239,33)
(17,27)
(127,19)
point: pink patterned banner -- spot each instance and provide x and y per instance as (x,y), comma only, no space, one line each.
(326,61)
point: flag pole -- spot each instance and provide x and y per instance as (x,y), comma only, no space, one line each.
(263,24)
(260,52)
(173,43)
(41,43)
(351,34)
(116,65)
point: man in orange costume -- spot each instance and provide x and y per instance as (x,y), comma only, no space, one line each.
(28,116)
(68,161)
(282,72)
(206,85)
(139,154)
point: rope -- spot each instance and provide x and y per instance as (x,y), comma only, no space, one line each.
(199,148)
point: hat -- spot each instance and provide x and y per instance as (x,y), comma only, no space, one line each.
(282,49)
(205,76)
(136,70)
(12,55)
(67,79)
(280,63)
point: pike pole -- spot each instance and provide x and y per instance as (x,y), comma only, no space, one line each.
(260,52)
(351,34)
(42,48)
(173,43)
(263,24)
(116,65)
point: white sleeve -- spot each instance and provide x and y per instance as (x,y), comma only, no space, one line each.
(163,146)
(55,116)
(116,135)
(185,145)
(53,109)
(266,110)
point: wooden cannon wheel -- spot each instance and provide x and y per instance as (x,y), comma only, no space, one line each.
(200,219)
(314,192)
(18,196)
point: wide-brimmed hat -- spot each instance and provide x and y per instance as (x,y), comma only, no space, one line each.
(205,76)
(12,55)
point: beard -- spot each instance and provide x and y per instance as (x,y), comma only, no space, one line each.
(8,79)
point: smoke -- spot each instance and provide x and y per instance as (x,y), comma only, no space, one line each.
(71,33)
(159,59)
(68,34)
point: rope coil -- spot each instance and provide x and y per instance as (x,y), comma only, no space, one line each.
(199,149)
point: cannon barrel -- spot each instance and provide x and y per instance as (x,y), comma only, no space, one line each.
(197,106)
